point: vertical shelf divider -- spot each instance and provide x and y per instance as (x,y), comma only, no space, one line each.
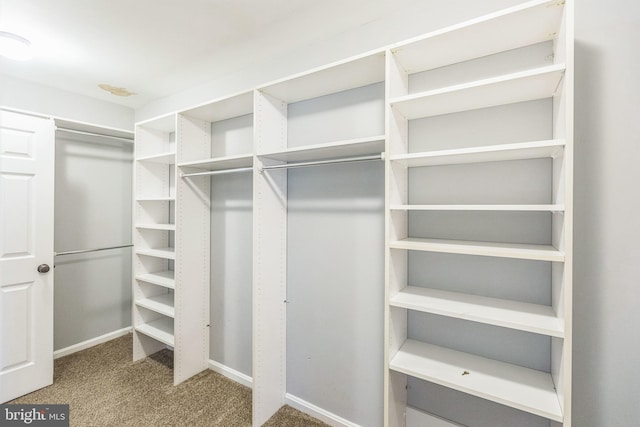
(270,261)
(192,264)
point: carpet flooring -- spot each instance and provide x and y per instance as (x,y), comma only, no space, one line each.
(103,387)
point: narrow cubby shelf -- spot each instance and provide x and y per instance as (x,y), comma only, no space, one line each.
(511,385)
(522,25)
(164,278)
(483,154)
(162,304)
(464,247)
(508,208)
(539,319)
(163,227)
(522,86)
(352,147)
(160,329)
(221,163)
(166,253)
(162,158)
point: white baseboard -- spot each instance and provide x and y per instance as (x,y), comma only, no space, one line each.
(90,343)
(418,418)
(317,412)
(231,373)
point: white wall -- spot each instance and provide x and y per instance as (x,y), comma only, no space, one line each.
(31,97)
(607,226)
(607,257)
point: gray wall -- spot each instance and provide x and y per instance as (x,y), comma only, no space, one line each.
(92,294)
(606,380)
(335,261)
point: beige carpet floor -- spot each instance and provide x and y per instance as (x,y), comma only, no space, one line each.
(103,387)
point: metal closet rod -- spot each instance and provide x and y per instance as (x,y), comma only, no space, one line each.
(93,134)
(218,172)
(81,251)
(290,165)
(325,162)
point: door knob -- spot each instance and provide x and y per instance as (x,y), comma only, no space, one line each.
(43,268)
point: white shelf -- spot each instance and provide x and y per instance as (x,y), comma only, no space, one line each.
(164,227)
(521,388)
(161,278)
(332,78)
(166,123)
(160,330)
(224,108)
(167,253)
(156,199)
(512,208)
(163,158)
(507,89)
(463,247)
(331,150)
(539,319)
(162,304)
(523,25)
(487,153)
(220,163)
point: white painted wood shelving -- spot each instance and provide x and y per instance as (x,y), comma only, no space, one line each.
(154,226)
(178,155)
(545,394)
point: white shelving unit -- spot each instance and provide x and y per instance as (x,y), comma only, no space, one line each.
(543,394)
(154,227)
(213,138)
(275,153)
(258,132)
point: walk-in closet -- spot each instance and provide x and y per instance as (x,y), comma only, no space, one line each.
(354,213)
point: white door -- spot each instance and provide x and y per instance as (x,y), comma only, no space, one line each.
(26,249)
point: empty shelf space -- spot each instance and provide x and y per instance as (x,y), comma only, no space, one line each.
(329,79)
(162,304)
(463,247)
(539,319)
(159,329)
(521,388)
(161,278)
(165,158)
(507,89)
(223,109)
(513,208)
(331,150)
(166,227)
(220,163)
(167,253)
(488,153)
(519,26)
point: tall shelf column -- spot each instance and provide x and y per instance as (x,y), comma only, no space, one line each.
(516,59)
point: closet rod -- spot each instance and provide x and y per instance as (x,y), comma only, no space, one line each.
(81,251)
(93,134)
(325,162)
(218,172)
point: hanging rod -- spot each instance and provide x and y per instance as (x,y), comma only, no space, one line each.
(218,172)
(81,251)
(93,134)
(325,162)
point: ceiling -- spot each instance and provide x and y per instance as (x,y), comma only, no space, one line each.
(156,48)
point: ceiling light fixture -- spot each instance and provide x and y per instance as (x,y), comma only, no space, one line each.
(15,47)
